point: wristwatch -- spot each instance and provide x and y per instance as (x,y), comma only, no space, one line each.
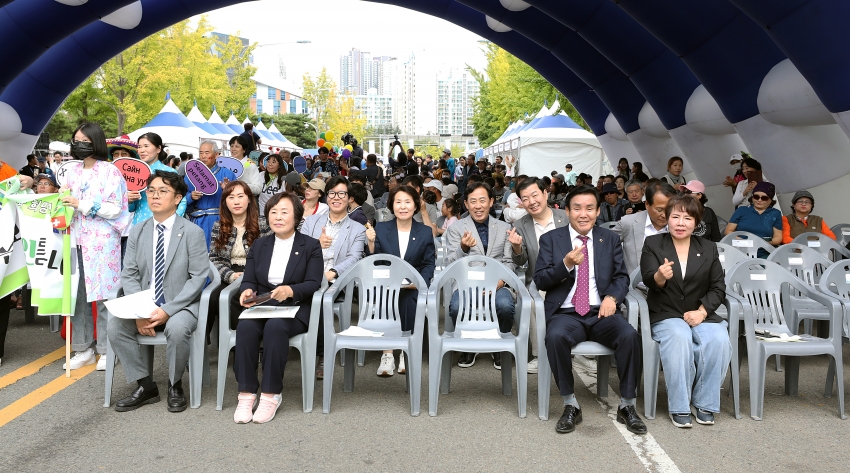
(609,296)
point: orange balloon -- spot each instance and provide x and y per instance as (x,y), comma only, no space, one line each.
(320,142)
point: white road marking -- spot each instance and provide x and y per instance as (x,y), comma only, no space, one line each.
(653,457)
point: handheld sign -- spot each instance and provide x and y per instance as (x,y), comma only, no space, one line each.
(201,177)
(232,164)
(254,156)
(136,172)
(64,169)
(300,164)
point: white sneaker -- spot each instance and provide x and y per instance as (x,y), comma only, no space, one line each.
(401,368)
(585,364)
(532,366)
(101,363)
(387,366)
(82,358)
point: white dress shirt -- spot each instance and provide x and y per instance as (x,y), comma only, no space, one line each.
(649,229)
(169,224)
(280,258)
(403,240)
(539,230)
(592,290)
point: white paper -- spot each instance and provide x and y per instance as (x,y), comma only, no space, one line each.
(795,261)
(722,258)
(814,244)
(783,337)
(758,277)
(355,331)
(492,334)
(381,273)
(742,243)
(475,275)
(847,278)
(135,306)
(269,312)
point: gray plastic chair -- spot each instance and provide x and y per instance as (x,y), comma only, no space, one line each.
(823,245)
(383,215)
(476,285)
(835,282)
(842,233)
(199,369)
(305,343)
(603,354)
(756,286)
(608,225)
(747,243)
(378,279)
(807,265)
(730,256)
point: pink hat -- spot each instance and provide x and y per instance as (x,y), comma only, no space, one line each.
(695,187)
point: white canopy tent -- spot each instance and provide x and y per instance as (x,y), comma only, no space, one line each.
(178,132)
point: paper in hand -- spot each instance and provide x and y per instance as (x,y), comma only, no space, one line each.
(134,306)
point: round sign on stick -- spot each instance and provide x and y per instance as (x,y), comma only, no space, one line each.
(233,164)
(300,164)
(64,169)
(201,177)
(136,172)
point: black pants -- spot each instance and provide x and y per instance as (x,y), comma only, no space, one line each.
(5,308)
(275,335)
(235,310)
(566,329)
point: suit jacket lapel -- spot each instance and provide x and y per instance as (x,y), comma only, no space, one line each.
(532,243)
(696,257)
(470,226)
(145,247)
(294,257)
(392,237)
(176,236)
(341,238)
(668,251)
(596,240)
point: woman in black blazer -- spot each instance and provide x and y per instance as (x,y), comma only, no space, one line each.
(685,281)
(411,241)
(288,265)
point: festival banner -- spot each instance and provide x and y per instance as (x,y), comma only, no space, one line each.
(136,172)
(13,264)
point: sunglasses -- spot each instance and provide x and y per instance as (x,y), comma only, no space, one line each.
(763,198)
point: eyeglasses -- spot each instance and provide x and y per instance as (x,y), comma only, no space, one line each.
(804,201)
(335,194)
(763,198)
(158,192)
(44,184)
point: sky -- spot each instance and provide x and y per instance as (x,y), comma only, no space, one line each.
(336,26)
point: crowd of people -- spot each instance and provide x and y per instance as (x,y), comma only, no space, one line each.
(287,234)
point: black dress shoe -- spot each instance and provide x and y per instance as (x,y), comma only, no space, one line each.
(176,399)
(627,415)
(569,420)
(138,398)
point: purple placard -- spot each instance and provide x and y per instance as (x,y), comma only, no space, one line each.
(201,177)
(233,164)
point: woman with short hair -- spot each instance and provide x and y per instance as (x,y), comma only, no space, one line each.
(800,220)
(685,284)
(674,172)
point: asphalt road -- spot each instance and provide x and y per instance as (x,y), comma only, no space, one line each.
(371,429)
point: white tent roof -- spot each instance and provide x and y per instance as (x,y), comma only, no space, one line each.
(551,142)
(173,127)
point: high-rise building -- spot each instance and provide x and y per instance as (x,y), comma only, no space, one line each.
(456,93)
(414,96)
(382,74)
(355,72)
(376,108)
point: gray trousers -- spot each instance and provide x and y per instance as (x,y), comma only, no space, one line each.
(82,330)
(136,359)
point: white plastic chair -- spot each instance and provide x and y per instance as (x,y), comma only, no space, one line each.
(747,243)
(756,286)
(476,286)
(807,265)
(835,282)
(842,233)
(305,343)
(379,286)
(199,372)
(823,245)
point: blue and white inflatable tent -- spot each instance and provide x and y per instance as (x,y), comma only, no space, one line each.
(652,78)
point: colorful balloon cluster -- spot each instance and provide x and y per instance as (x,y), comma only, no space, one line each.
(326,141)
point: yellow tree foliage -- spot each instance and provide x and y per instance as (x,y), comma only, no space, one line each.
(333,111)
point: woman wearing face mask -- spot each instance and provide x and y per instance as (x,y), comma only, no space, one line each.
(99,198)
(411,241)
(674,172)
(150,151)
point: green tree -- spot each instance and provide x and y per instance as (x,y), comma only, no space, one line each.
(510,88)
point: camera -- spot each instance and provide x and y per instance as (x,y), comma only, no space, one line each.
(429,197)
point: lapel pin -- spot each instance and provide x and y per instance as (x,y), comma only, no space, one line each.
(179,234)
(414,238)
(600,240)
(296,253)
(697,254)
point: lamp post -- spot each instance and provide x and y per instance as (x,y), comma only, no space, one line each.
(306,124)
(281,65)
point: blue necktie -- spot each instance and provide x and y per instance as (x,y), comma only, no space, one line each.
(159,265)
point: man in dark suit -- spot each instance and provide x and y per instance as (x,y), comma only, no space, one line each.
(525,238)
(582,271)
(176,272)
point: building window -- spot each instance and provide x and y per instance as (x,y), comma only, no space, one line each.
(304,106)
(272,91)
(259,106)
(292,106)
(277,107)
(254,95)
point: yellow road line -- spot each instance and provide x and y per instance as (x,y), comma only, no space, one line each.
(31,368)
(22,405)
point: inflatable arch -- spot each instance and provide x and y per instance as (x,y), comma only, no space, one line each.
(693,78)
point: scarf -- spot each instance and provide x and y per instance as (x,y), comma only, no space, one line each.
(673,180)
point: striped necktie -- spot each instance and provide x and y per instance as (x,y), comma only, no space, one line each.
(159,265)
(581,298)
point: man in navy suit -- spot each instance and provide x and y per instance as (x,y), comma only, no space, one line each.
(581,269)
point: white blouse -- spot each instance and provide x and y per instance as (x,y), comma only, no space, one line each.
(403,240)
(280,258)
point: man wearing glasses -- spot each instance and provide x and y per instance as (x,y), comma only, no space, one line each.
(46,184)
(341,238)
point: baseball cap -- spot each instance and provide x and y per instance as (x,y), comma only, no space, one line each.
(435,184)
(695,186)
(609,188)
(736,157)
(447,151)
(41,159)
(294,179)
(50,177)
(317,184)
(450,191)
